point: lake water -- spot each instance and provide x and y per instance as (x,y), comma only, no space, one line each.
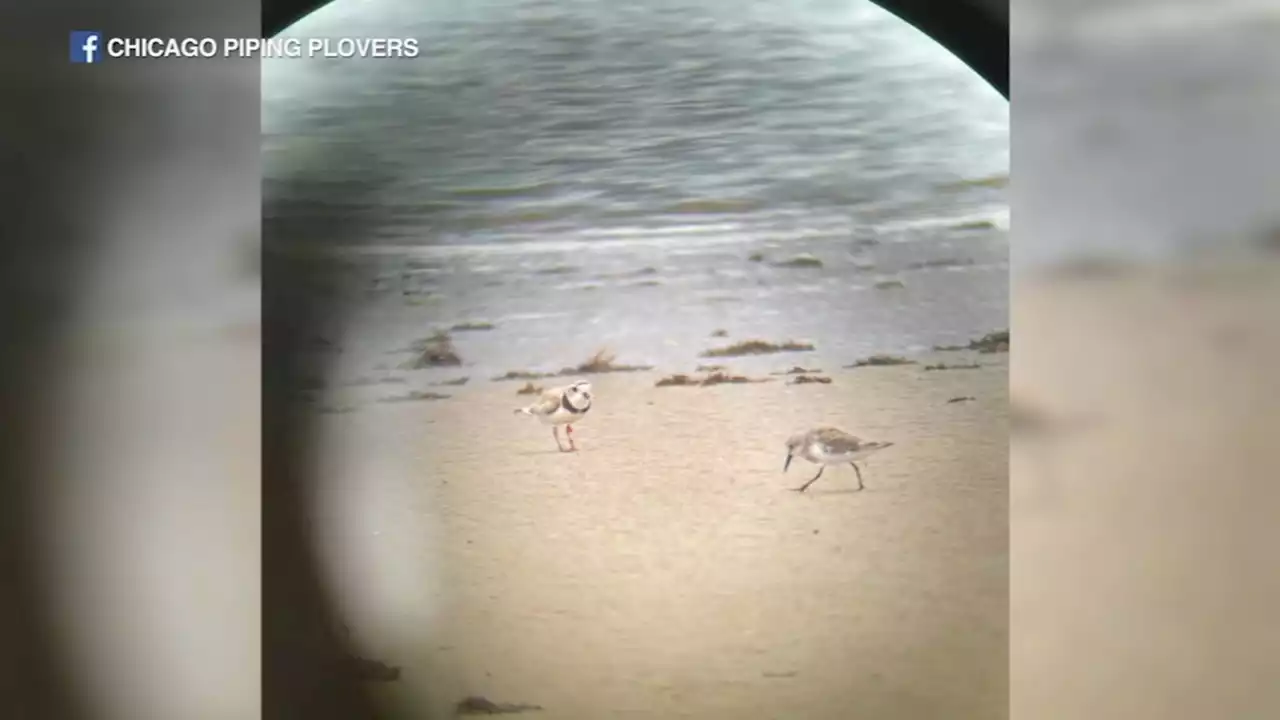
(584,174)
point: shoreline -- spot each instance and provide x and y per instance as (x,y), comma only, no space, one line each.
(444,384)
(781,366)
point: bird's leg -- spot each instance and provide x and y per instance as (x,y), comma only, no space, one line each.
(859,472)
(568,430)
(805,486)
(555,432)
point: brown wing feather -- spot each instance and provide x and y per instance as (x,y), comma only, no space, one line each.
(839,441)
(548,402)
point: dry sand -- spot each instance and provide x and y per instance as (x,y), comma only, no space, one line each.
(1144,516)
(665,570)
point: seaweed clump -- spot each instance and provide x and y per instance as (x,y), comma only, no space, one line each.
(809,379)
(944,366)
(756,347)
(992,342)
(476,705)
(414,396)
(797,370)
(715,378)
(602,361)
(522,375)
(881,361)
(435,351)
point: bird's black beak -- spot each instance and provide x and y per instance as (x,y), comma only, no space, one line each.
(787,464)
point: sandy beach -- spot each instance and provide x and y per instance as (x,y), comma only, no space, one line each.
(666,570)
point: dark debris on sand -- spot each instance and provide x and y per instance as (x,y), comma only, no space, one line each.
(993,342)
(797,370)
(996,342)
(809,379)
(435,351)
(600,362)
(757,347)
(881,361)
(720,333)
(456,382)
(944,366)
(962,398)
(476,705)
(723,378)
(414,396)
(678,380)
(523,375)
(529,389)
(715,378)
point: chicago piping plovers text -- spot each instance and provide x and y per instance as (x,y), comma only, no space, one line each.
(561,406)
(830,446)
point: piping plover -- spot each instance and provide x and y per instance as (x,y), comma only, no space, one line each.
(830,446)
(561,406)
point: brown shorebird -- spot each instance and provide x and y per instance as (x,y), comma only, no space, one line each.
(830,446)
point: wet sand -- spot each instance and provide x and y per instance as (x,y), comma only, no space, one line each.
(665,570)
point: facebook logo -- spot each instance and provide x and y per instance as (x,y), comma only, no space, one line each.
(86,46)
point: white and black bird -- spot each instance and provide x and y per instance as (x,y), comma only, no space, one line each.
(830,446)
(561,406)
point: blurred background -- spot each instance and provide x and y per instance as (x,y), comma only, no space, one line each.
(1146,126)
(1144,294)
(131,373)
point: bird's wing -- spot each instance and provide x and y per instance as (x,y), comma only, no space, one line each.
(839,441)
(547,403)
